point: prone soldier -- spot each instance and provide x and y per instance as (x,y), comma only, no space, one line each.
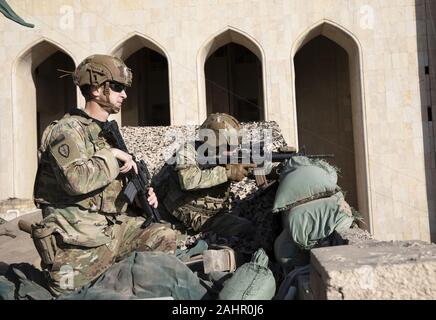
(197,196)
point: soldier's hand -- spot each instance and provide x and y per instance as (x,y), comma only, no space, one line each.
(238,171)
(126,159)
(152,198)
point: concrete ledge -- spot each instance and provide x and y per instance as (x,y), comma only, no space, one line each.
(13,208)
(374,270)
(17,246)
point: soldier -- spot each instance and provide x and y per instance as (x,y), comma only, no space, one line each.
(197,196)
(87,223)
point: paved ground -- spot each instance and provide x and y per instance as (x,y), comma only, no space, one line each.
(20,248)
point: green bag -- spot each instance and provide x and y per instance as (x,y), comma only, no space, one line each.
(288,254)
(7,289)
(302,180)
(143,275)
(316,220)
(251,281)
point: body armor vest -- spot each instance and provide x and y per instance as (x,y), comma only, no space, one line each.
(47,188)
(193,207)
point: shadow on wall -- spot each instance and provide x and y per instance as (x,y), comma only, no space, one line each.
(426,38)
(234,83)
(324,108)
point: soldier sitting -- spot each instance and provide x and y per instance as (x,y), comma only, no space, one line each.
(88,224)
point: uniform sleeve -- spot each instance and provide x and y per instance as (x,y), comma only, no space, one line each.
(80,173)
(191,176)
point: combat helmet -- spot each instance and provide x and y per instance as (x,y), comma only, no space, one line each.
(225,128)
(97,70)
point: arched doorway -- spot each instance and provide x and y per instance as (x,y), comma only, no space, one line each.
(148,100)
(54,95)
(330,107)
(39,97)
(234,83)
(231,73)
(322,84)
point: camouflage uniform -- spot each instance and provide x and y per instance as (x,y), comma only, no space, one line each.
(87,223)
(189,193)
(198,197)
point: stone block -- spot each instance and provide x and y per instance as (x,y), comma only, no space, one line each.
(13,208)
(374,270)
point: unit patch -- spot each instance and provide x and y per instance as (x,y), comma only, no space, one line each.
(64,150)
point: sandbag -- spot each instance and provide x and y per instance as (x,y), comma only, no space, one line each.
(251,281)
(288,254)
(23,281)
(302,180)
(143,275)
(7,289)
(310,222)
(289,286)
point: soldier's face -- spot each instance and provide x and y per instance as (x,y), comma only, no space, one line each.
(117,97)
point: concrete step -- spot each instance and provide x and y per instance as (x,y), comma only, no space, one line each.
(17,246)
(374,270)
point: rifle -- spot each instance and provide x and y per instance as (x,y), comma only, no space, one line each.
(138,182)
(255,154)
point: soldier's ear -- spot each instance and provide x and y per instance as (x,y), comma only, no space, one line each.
(95,91)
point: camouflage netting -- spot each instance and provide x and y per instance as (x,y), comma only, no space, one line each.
(155,145)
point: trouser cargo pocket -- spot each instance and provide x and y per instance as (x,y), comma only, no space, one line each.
(45,242)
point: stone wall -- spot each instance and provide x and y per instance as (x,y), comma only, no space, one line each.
(374,270)
(427,61)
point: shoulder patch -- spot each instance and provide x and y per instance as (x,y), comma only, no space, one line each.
(67,150)
(64,150)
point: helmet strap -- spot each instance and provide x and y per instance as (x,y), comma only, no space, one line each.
(105,103)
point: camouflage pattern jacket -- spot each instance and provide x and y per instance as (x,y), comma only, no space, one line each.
(77,183)
(190,193)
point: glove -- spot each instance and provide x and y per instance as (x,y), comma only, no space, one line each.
(237,171)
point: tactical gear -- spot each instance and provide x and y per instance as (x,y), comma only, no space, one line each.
(65,178)
(194,208)
(182,198)
(45,242)
(225,128)
(251,281)
(237,171)
(98,70)
(126,235)
(220,259)
(79,189)
(144,275)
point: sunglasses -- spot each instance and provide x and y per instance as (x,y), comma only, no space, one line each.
(116,86)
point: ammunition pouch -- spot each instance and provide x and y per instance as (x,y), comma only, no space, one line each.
(45,242)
